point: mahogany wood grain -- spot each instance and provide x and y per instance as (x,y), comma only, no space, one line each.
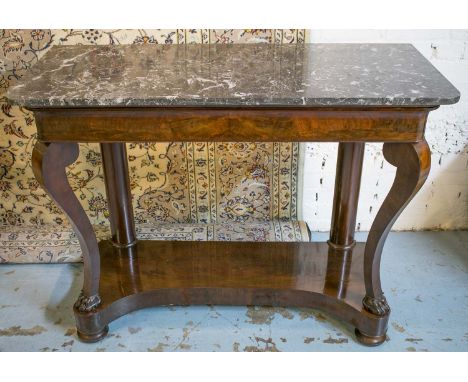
(388,124)
(153,273)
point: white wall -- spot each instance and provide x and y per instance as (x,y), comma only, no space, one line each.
(442,203)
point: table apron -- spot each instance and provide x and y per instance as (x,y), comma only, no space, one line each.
(224,125)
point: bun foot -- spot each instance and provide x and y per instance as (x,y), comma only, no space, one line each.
(367,340)
(90,338)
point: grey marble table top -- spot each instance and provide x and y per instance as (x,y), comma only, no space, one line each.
(234,75)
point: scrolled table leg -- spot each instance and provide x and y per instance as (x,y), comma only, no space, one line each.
(413,162)
(49,162)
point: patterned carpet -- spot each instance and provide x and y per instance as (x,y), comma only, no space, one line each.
(181,191)
(53,244)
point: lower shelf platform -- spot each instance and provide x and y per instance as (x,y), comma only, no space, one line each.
(154,273)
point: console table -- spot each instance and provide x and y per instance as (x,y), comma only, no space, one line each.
(346,93)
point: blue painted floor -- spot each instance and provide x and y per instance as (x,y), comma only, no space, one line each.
(425,278)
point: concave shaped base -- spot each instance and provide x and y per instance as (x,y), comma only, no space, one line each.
(155,273)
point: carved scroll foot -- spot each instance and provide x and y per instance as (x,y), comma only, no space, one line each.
(413,162)
(86,304)
(377,306)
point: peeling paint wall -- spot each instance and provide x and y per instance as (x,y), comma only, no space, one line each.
(442,203)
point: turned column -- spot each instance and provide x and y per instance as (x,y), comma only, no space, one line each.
(345,202)
(338,271)
(343,224)
(119,199)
